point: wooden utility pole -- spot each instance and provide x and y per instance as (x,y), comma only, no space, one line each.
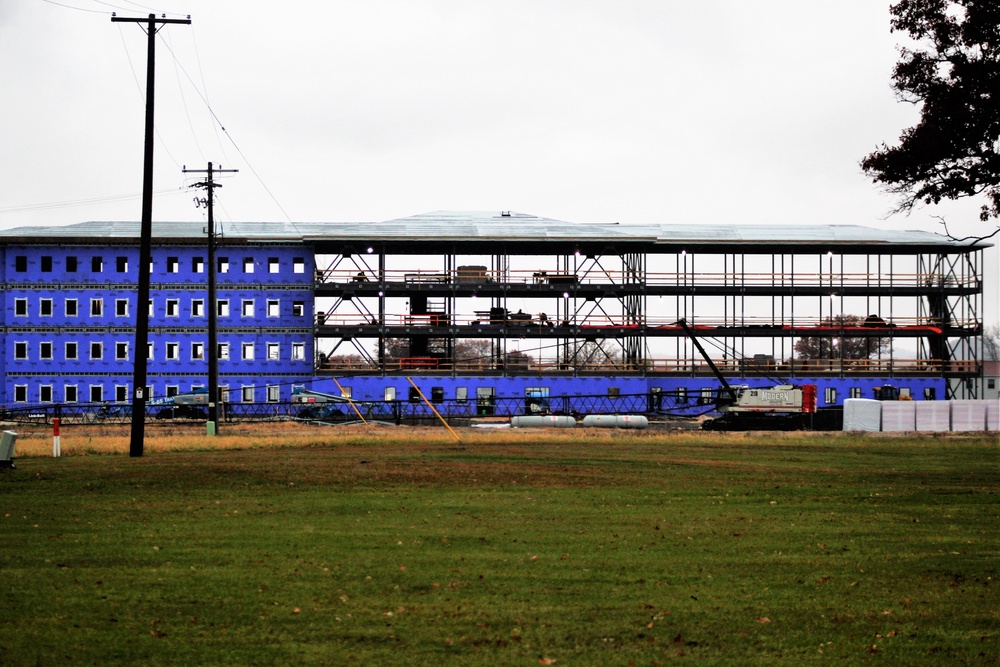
(213,339)
(141,350)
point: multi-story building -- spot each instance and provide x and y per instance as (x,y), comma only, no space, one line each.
(69,305)
(556,309)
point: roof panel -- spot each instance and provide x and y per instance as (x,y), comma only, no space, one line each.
(489,226)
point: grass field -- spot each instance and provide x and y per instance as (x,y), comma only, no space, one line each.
(402,546)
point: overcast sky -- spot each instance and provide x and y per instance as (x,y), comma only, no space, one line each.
(673,111)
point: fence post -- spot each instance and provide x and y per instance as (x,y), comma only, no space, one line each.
(56,446)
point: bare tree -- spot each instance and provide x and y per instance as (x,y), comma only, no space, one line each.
(991,343)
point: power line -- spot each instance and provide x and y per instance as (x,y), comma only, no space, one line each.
(80,202)
(79,9)
(222,127)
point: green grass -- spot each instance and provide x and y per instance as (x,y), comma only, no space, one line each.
(613,551)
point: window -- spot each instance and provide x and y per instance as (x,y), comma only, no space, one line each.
(197,308)
(486,400)
(273,265)
(222,307)
(298,308)
(173,351)
(45,393)
(96,264)
(20,393)
(930,393)
(121,393)
(389,394)
(437,394)
(71,351)
(197,265)
(69,393)
(21,350)
(45,350)
(97,307)
(298,351)
(197,351)
(830,395)
(614,392)
(21,263)
(248,265)
(72,264)
(46,264)
(414,395)
(223,351)
(121,350)
(151,309)
(273,308)
(248,394)
(149,352)
(97,350)
(173,265)
(298,265)
(273,393)
(706,397)
(855,392)
(173,308)
(248,351)
(248,308)
(121,307)
(71,306)
(904,393)
(20,307)
(991,383)
(682,395)
(96,393)
(121,264)
(222,264)
(273,351)
(173,390)
(461,394)
(45,307)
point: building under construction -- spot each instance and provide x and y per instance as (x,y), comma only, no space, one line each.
(476,307)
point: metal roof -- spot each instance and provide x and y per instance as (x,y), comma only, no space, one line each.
(494,226)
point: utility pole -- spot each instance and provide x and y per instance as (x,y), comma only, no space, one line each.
(141,350)
(213,338)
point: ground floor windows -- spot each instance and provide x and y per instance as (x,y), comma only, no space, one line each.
(69,393)
(273,393)
(96,393)
(20,393)
(121,393)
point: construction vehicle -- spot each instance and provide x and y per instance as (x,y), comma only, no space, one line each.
(193,405)
(784,407)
